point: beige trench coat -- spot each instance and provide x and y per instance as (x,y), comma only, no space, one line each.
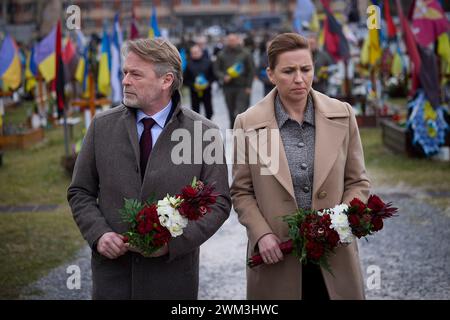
(261,199)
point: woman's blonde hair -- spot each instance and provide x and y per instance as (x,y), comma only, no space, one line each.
(162,54)
(282,43)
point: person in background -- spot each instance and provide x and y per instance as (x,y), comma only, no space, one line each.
(199,76)
(322,62)
(263,64)
(234,69)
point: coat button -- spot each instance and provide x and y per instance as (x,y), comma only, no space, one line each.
(322,194)
(305,189)
(301,145)
(303,166)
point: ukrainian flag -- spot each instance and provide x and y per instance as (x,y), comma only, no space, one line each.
(30,72)
(104,67)
(153,32)
(82,71)
(44,56)
(10,68)
(235,70)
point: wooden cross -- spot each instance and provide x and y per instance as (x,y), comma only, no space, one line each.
(91,102)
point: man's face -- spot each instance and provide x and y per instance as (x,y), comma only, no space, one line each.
(196,52)
(142,88)
(233,40)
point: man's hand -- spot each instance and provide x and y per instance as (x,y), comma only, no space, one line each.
(111,245)
(158,253)
(226,78)
(248,90)
(269,248)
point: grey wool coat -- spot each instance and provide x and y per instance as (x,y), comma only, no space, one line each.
(107,171)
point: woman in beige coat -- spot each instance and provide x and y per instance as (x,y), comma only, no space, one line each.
(308,155)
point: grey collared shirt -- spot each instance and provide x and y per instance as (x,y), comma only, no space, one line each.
(299,141)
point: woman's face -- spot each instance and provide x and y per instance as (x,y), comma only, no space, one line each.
(293,74)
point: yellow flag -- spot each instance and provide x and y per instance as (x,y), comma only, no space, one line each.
(314,23)
(365,52)
(396,67)
(104,78)
(79,73)
(374,46)
(444,46)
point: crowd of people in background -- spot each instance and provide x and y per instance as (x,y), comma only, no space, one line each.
(233,62)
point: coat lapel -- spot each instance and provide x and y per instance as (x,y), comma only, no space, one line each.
(130,124)
(329,137)
(266,121)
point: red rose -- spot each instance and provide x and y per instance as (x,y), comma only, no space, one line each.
(359,205)
(353,219)
(161,237)
(332,238)
(375,203)
(146,219)
(188,211)
(314,250)
(377,223)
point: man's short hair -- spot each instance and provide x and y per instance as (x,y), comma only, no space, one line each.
(162,54)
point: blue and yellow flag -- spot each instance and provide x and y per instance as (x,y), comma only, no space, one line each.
(10,67)
(104,67)
(44,56)
(153,31)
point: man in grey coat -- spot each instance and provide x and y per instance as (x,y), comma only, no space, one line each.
(111,166)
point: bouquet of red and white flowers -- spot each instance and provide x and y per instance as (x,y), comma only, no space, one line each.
(153,223)
(314,234)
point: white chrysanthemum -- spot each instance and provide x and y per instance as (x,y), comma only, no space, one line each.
(340,208)
(170,217)
(339,222)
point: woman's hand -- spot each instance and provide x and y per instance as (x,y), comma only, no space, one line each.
(269,249)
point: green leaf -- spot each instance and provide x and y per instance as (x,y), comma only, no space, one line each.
(151,200)
(194,182)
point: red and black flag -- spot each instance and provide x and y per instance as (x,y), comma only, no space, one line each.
(335,42)
(411,48)
(59,80)
(390,26)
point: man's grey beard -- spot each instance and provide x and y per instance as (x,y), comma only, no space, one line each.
(131,106)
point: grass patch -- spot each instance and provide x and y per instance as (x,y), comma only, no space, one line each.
(18,115)
(387,168)
(33,243)
(35,175)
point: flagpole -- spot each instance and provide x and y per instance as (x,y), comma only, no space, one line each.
(347,90)
(66,132)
